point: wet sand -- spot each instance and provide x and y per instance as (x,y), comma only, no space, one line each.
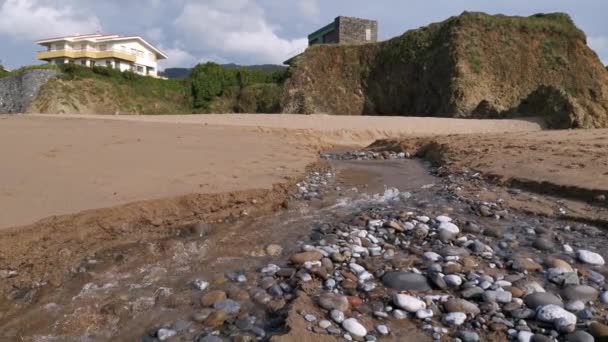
(57,165)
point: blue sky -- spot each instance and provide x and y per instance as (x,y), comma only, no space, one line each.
(250,31)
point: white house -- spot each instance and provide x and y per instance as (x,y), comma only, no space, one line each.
(121,52)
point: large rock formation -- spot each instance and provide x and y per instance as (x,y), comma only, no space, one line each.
(18,91)
(472,65)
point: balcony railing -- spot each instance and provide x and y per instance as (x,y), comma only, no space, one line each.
(88,53)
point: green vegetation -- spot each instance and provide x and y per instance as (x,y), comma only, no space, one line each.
(28,67)
(553,23)
(210,88)
(2,72)
(218,89)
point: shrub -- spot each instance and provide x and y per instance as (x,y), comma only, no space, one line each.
(210,80)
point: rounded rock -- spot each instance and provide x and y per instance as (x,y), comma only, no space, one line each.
(589,257)
(455,318)
(561,319)
(583,293)
(409,303)
(461,305)
(331,301)
(406,281)
(354,328)
(538,299)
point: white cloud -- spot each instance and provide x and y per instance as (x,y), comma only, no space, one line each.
(309,8)
(31,19)
(177,58)
(237,27)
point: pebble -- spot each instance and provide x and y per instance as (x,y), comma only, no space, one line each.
(599,331)
(455,318)
(452,280)
(337,316)
(497,296)
(354,327)
(310,318)
(562,319)
(468,336)
(575,306)
(449,227)
(524,336)
(589,257)
(583,293)
(301,258)
(604,297)
(165,334)
(406,281)
(409,303)
(538,299)
(382,330)
(331,301)
(579,336)
(424,313)
(461,305)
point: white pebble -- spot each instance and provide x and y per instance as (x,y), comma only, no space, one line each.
(354,327)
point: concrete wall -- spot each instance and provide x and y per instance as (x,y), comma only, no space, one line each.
(17,92)
(356,31)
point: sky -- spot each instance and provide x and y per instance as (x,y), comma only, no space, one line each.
(250,31)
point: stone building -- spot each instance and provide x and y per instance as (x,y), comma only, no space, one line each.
(346,30)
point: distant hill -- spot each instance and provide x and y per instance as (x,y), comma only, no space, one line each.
(181,73)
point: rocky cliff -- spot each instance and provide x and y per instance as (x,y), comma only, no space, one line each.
(18,91)
(472,65)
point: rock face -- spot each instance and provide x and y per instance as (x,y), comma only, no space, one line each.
(18,91)
(469,65)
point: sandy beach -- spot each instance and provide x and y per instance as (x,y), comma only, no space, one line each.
(56,165)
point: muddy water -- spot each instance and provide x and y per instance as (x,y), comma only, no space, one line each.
(124,294)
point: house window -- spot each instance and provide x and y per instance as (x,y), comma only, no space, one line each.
(140,68)
(103,47)
(109,64)
(368,34)
(92,63)
(83,62)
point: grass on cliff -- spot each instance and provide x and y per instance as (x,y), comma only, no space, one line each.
(106,90)
(209,89)
(28,67)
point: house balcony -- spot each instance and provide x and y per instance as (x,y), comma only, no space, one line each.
(74,54)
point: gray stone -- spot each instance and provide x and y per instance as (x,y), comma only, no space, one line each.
(472,293)
(543,244)
(452,280)
(537,299)
(229,306)
(497,296)
(579,336)
(575,306)
(18,91)
(406,281)
(468,336)
(210,338)
(337,316)
(562,320)
(583,293)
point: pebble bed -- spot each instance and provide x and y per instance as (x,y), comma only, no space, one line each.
(453,277)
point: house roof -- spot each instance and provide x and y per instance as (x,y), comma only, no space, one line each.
(98,37)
